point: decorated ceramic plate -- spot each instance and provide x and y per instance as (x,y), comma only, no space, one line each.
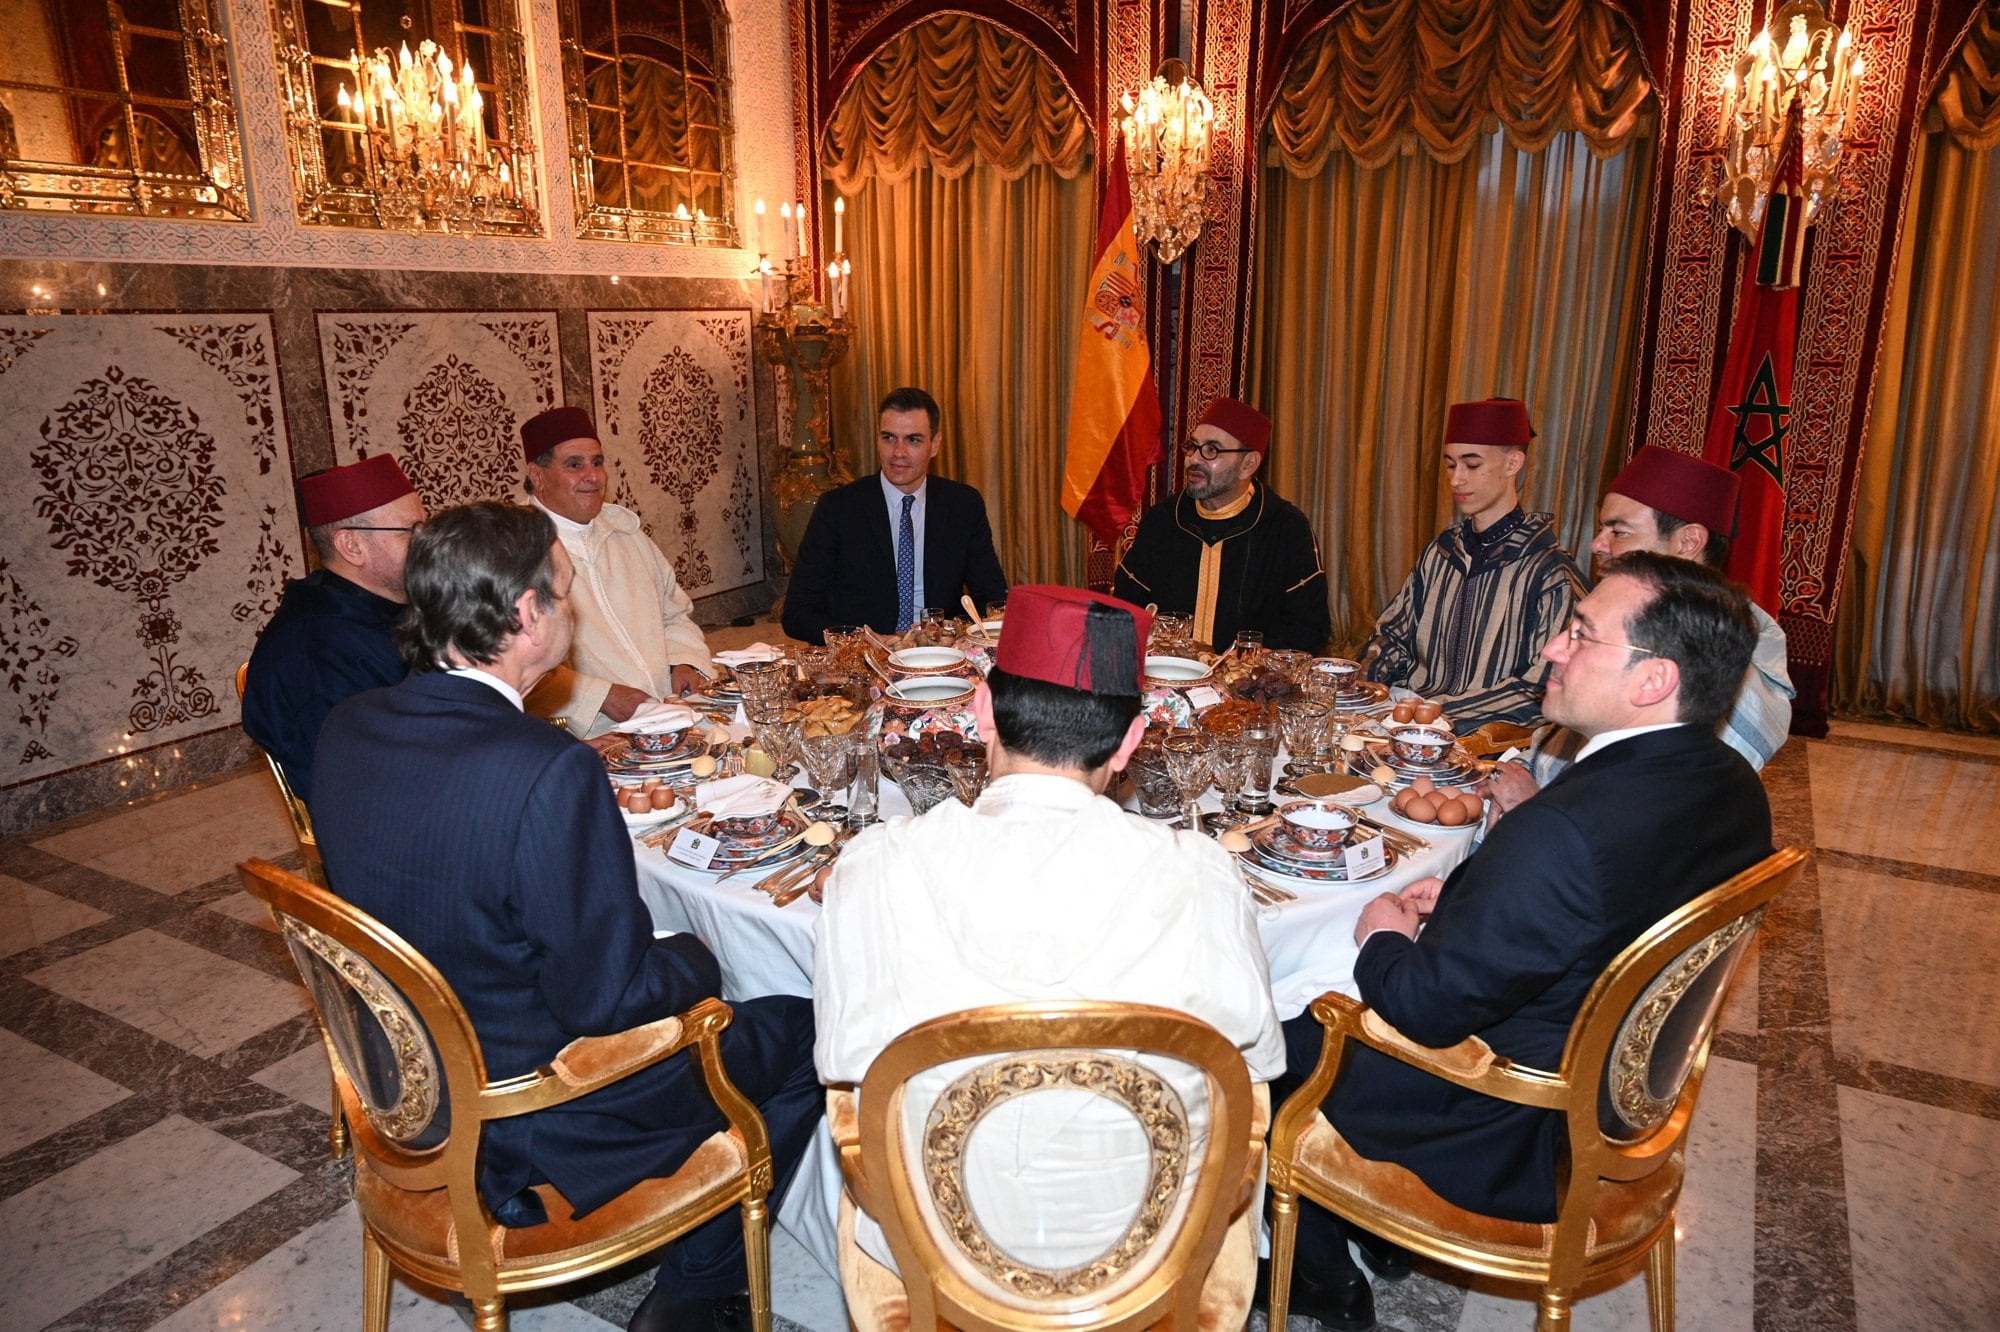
(1459,770)
(1279,844)
(1333,873)
(737,849)
(1362,697)
(622,759)
(652,818)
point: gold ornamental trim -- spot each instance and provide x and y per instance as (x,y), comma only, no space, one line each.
(1632,1052)
(417,1103)
(976,1093)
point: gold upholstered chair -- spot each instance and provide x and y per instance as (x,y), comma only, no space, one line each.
(410,1075)
(302,824)
(1626,1089)
(315,869)
(1184,1255)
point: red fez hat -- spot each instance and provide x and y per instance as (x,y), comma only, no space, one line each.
(1496,422)
(555,426)
(1683,485)
(341,492)
(1251,427)
(1080,640)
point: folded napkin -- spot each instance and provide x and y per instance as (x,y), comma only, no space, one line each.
(744,797)
(755,652)
(653,718)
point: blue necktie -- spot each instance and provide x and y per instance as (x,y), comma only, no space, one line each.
(906,569)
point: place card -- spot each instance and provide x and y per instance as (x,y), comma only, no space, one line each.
(694,849)
(1364,858)
(1203,696)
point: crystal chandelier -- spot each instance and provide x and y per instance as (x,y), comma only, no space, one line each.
(1166,153)
(1807,62)
(424,141)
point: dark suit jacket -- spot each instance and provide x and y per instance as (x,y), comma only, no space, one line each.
(1521,932)
(846,572)
(490,841)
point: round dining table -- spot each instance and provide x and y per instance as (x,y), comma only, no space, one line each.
(767,949)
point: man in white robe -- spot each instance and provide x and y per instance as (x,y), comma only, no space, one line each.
(1045,889)
(636,639)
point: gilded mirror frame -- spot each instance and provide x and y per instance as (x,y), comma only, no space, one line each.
(213,191)
(604,221)
(330,196)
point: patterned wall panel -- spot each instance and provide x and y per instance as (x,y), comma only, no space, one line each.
(671,395)
(445,392)
(147,538)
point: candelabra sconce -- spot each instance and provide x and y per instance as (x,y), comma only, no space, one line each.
(1167,139)
(1808,63)
(807,337)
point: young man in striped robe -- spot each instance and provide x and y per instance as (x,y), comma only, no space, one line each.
(1468,626)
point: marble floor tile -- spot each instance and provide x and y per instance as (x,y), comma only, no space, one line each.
(801,1290)
(1926,808)
(313,1284)
(82,1231)
(303,1076)
(1954,742)
(1920,1188)
(193,998)
(1714,1286)
(1739,1008)
(1910,972)
(31,916)
(46,1092)
(187,839)
(241,906)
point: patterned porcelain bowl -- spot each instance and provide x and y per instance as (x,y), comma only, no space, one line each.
(1423,746)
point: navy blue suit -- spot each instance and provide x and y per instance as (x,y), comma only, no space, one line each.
(846,572)
(330,640)
(489,840)
(1520,933)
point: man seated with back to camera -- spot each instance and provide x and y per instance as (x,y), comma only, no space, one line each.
(490,841)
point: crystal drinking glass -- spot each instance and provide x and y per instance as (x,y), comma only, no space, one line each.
(781,737)
(829,761)
(967,768)
(1302,723)
(1260,750)
(1190,757)
(1158,797)
(926,786)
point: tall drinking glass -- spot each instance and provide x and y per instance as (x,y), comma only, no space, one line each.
(829,761)
(1302,723)
(1189,755)
(1260,744)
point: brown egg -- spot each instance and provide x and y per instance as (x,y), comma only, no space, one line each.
(1422,809)
(1404,711)
(1475,808)
(1426,712)
(639,802)
(1452,814)
(1423,786)
(1401,800)
(662,799)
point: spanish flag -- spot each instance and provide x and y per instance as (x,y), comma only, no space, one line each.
(1750,424)
(1114,409)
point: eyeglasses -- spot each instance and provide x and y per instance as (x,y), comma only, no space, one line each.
(363,527)
(1576,635)
(1210,450)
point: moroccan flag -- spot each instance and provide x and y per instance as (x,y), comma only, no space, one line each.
(1750,426)
(1114,410)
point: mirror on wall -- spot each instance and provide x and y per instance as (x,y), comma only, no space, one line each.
(408,115)
(647,88)
(121,107)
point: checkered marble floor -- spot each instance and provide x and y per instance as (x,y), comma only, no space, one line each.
(163,1159)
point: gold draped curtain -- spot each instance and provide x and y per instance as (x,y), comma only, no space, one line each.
(950,94)
(970,232)
(668,119)
(1387,77)
(1383,293)
(1918,637)
(1968,101)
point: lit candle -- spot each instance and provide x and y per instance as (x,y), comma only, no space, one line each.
(805,240)
(839,216)
(759,210)
(833,287)
(845,269)
(791,245)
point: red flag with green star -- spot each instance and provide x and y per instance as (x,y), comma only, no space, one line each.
(1750,426)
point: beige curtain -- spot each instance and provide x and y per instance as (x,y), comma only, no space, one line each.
(1918,632)
(1388,77)
(969,268)
(1385,294)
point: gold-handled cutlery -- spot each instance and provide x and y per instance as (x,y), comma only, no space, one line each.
(814,834)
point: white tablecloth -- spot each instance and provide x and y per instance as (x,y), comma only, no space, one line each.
(769,950)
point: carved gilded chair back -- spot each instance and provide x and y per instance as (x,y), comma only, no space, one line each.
(916,1183)
(302,825)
